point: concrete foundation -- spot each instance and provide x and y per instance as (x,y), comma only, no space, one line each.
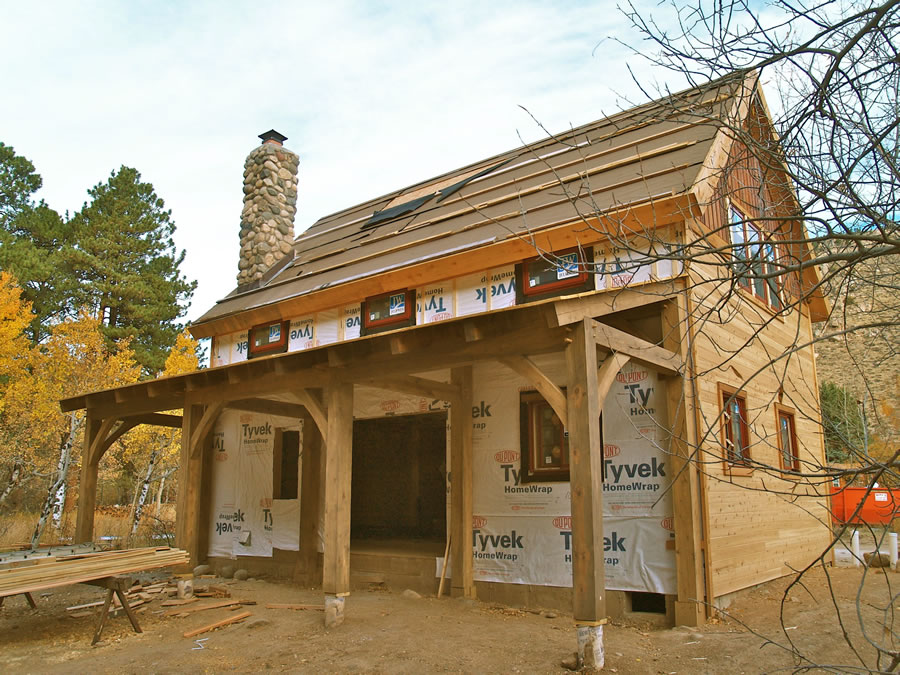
(590,647)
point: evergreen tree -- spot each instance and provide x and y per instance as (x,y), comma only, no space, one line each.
(842,422)
(127,266)
(34,244)
(18,181)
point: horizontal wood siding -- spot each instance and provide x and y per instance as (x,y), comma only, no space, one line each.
(760,526)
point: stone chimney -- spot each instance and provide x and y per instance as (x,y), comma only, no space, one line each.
(270,203)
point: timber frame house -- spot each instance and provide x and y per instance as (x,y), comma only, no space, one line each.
(509,277)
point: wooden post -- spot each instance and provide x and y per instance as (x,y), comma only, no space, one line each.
(689,606)
(310,477)
(585,462)
(462,580)
(338,466)
(190,481)
(87,488)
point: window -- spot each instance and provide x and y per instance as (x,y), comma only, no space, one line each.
(735,432)
(285,464)
(787,439)
(546,277)
(267,338)
(388,311)
(544,440)
(755,255)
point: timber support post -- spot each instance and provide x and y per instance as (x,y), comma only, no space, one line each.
(585,462)
(190,480)
(689,560)
(310,489)
(87,489)
(462,579)
(338,466)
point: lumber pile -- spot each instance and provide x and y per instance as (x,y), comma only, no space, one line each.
(53,570)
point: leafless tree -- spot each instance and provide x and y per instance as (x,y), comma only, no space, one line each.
(830,73)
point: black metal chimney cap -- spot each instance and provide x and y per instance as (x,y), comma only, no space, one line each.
(273,136)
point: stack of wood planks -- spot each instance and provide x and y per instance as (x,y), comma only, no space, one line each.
(36,573)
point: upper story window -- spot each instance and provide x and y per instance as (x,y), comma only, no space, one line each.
(554,274)
(755,255)
(388,311)
(267,338)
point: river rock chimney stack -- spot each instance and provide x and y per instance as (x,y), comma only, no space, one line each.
(270,204)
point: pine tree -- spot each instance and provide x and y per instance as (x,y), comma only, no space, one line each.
(34,244)
(127,266)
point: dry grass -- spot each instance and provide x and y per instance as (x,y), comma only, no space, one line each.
(112,528)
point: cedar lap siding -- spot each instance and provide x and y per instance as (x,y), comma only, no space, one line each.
(448,248)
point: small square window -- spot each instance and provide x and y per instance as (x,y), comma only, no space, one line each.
(554,274)
(388,311)
(544,441)
(267,338)
(735,430)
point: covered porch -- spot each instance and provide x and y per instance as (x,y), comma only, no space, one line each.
(596,334)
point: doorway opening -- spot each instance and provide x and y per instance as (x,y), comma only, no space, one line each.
(398,489)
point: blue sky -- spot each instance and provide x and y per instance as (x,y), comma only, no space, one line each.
(372,96)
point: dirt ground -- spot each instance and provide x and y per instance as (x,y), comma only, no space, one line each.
(386,632)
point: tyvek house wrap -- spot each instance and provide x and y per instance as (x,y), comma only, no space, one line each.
(521,532)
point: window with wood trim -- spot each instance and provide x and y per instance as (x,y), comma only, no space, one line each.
(554,274)
(267,338)
(735,429)
(544,441)
(388,311)
(787,439)
(286,464)
(756,257)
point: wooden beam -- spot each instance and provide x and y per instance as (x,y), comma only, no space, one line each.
(338,458)
(156,419)
(690,584)
(462,580)
(538,378)
(586,461)
(311,483)
(619,341)
(193,466)
(267,407)
(573,310)
(418,386)
(98,445)
(313,404)
(87,488)
(204,427)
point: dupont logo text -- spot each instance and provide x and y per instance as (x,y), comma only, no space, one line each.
(563,523)
(632,377)
(506,456)
(610,450)
(668,523)
(478,522)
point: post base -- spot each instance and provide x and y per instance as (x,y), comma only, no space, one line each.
(590,647)
(334,610)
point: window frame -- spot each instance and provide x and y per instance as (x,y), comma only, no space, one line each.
(277,347)
(728,396)
(531,470)
(579,283)
(278,476)
(407,318)
(789,414)
(756,254)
